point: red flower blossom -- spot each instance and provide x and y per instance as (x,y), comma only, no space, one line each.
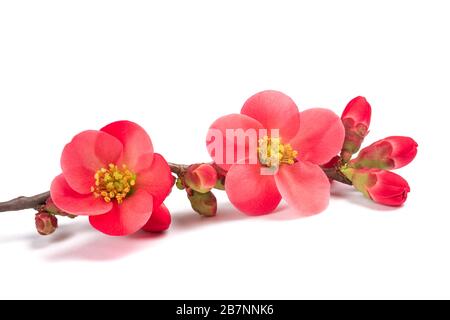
(114,177)
(381,186)
(306,140)
(388,153)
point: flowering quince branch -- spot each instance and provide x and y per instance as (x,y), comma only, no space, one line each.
(267,152)
(22,203)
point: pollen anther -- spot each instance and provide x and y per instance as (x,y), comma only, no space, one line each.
(273,153)
(113,183)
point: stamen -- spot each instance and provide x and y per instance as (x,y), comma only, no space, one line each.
(113,183)
(272,153)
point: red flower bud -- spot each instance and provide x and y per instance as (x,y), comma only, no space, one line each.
(389,153)
(356,119)
(45,223)
(359,111)
(159,220)
(201,177)
(381,186)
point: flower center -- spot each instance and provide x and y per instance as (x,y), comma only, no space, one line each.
(273,153)
(113,183)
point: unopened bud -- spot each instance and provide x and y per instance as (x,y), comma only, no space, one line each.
(356,119)
(201,177)
(381,186)
(388,153)
(46,223)
(220,184)
(204,204)
(159,220)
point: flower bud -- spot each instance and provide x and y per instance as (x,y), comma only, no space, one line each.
(204,204)
(381,186)
(220,184)
(201,177)
(356,119)
(179,184)
(159,220)
(389,153)
(46,223)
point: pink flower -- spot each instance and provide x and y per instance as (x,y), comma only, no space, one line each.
(114,177)
(388,153)
(306,140)
(381,186)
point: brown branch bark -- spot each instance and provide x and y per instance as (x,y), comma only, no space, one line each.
(178,169)
(22,203)
(336,175)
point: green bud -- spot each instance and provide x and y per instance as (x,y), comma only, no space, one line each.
(220,184)
(179,184)
(361,179)
(204,204)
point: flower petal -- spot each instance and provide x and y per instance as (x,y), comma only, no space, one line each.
(251,192)
(304,186)
(224,148)
(125,218)
(159,221)
(320,137)
(68,200)
(274,110)
(85,154)
(157,180)
(135,140)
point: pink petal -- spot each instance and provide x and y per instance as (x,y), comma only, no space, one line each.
(217,141)
(159,221)
(135,140)
(125,218)
(320,137)
(157,180)
(304,186)
(274,110)
(85,154)
(68,200)
(251,192)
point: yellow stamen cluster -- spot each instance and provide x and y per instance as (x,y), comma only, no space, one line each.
(272,153)
(113,183)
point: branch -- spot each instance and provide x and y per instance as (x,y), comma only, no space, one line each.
(22,203)
(178,169)
(34,202)
(336,175)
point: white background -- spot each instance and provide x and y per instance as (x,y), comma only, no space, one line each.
(176,66)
